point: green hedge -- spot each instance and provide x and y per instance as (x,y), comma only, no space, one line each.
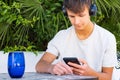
(30,24)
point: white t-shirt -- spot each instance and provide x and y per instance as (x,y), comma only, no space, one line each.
(99,49)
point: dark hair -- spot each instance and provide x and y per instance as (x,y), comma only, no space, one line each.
(77,6)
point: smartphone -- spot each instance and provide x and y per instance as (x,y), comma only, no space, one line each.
(71,59)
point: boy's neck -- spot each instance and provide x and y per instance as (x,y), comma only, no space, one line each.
(84,34)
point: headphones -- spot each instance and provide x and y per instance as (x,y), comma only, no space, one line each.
(92,11)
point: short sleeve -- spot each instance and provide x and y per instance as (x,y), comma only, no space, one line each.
(54,43)
(51,48)
(110,56)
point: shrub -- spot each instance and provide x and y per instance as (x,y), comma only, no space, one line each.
(30,24)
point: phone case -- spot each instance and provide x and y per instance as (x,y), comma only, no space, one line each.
(71,59)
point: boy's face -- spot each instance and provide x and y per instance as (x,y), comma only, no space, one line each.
(79,20)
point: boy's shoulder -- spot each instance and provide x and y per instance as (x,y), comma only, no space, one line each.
(65,31)
(103,31)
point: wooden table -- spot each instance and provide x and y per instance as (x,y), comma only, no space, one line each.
(38,76)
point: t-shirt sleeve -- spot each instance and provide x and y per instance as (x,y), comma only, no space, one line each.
(55,43)
(110,56)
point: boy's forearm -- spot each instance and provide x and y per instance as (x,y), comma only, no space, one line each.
(102,76)
(43,67)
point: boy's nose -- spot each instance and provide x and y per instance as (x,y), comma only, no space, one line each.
(77,20)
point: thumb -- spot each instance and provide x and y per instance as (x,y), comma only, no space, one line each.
(82,61)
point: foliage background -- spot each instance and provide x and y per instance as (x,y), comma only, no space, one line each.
(30,24)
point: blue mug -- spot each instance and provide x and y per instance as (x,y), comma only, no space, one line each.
(16,64)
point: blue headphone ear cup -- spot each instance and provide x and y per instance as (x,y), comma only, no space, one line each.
(64,11)
(93,10)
